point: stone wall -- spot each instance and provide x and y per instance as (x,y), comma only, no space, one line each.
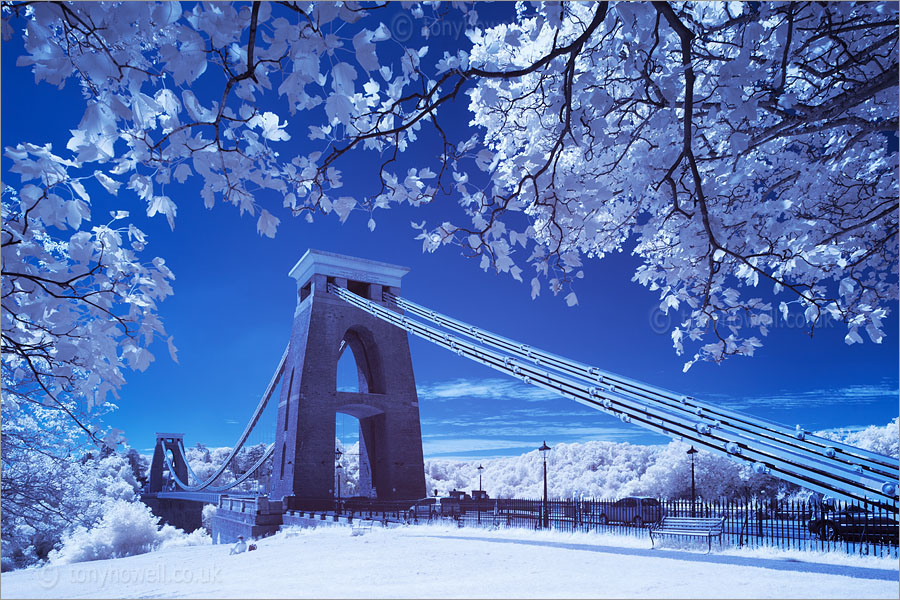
(183,514)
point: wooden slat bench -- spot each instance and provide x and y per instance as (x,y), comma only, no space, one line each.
(707,527)
(361,526)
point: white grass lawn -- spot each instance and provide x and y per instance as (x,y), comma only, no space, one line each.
(443,562)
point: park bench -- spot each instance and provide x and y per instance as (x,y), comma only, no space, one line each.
(361,526)
(690,526)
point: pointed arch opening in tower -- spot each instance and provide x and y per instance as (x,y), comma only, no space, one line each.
(359,367)
(348,379)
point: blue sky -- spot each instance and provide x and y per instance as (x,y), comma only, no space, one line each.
(233,305)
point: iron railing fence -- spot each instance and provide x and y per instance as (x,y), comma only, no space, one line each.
(402,511)
(851,527)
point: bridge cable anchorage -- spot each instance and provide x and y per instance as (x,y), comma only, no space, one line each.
(675,418)
(254,419)
(876,465)
(224,488)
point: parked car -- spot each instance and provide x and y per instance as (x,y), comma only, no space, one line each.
(425,508)
(632,509)
(854,524)
(789,511)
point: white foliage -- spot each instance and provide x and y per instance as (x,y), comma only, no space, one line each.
(575,148)
(578,116)
(881,439)
(604,470)
(44,455)
(126,529)
(209,513)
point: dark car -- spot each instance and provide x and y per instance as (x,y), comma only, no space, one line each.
(632,509)
(855,524)
(790,512)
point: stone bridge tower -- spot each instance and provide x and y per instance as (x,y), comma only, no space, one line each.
(387,407)
(166,442)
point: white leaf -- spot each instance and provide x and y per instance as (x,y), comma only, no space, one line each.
(196,112)
(182,172)
(783,307)
(342,77)
(164,206)
(271,129)
(173,351)
(267,224)
(853,337)
(338,106)
(76,211)
(875,334)
(111,185)
(79,189)
(343,205)
(571,299)
(846,286)
(365,51)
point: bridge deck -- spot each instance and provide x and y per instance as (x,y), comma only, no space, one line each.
(206,497)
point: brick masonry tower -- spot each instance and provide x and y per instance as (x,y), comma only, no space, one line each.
(166,442)
(391,466)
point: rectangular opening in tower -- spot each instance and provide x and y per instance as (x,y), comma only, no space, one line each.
(305,291)
(358,287)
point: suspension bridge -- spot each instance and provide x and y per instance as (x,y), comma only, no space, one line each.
(349,302)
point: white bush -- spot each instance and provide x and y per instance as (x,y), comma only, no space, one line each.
(209,512)
(126,528)
(198,537)
(882,439)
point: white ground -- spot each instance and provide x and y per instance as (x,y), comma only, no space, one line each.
(438,561)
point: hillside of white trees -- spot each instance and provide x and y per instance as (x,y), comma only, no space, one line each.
(612,470)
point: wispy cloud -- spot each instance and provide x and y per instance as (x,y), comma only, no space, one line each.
(485,389)
(444,446)
(851,394)
(520,429)
(841,431)
(231,421)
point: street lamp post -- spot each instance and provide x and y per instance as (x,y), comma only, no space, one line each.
(691,453)
(338,469)
(546,516)
(480,494)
